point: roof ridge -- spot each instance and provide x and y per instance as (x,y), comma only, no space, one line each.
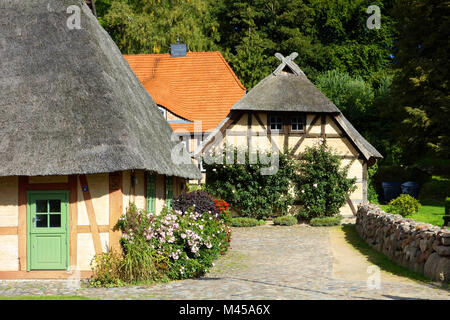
(231,70)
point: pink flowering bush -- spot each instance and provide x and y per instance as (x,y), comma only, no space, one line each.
(188,242)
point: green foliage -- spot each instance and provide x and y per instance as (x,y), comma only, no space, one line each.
(352,95)
(398,173)
(285,221)
(404,205)
(326,221)
(254,194)
(185,243)
(322,185)
(421,84)
(246,222)
(435,190)
(447,206)
(107,270)
(372,194)
(171,245)
(150,26)
(327,34)
(194,187)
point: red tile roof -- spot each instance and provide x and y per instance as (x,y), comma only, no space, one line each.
(198,87)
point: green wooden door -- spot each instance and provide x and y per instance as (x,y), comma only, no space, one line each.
(48,242)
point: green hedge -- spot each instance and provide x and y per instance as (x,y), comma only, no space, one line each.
(285,221)
(246,222)
(447,206)
(326,221)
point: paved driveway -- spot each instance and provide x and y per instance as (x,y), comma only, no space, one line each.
(267,262)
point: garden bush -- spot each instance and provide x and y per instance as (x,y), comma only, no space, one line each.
(251,193)
(246,222)
(200,201)
(322,185)
(326,221)
(107,268)
(404,205)
(171,245)
(285,221)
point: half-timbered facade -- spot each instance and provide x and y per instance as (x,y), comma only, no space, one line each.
(80,139)
(286,110)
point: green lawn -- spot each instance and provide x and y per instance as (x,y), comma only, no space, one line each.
(428,213)
(45,298)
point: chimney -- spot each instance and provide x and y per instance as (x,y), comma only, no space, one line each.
(178,49)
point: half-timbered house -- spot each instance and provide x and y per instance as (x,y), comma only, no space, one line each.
(286,109)
(80,139)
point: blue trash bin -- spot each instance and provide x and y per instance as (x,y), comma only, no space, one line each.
(391,190)
(411,188)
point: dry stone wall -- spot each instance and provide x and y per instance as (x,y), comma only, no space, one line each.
(415,245)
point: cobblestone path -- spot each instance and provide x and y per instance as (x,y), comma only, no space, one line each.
(265,263)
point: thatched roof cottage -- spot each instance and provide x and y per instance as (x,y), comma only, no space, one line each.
(286,108)
(80,138)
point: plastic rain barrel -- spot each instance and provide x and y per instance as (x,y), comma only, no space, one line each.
(411,188)
(391,190)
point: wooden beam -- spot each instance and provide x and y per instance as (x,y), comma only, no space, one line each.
(349,138)
(87,229)
(73,219)
(249,130)
(91,214)
(47,186)
(115,208)
(352,207)
(327,136)
(22,226)
(8,231)
(286,133)
(323,122)
(234,117)
(258,119)
(297,145)
(364,182)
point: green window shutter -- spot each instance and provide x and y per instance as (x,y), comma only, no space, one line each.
(151,192)
(169,191)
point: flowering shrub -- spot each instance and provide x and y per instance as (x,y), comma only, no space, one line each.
(189,241)
(322,185)
(225,215)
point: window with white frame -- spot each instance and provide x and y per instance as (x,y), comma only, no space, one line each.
(297,123)
(275,122)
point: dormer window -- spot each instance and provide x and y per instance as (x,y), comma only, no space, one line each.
(275,122)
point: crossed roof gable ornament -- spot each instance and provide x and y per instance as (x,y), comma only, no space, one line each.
(288,61)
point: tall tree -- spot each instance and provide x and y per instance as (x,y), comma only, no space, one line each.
(422,82)
(327,34)
(150,26)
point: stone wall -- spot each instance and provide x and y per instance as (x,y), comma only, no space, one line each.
(415,245)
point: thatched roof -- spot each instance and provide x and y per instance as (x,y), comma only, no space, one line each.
(288,89)
(69,103)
